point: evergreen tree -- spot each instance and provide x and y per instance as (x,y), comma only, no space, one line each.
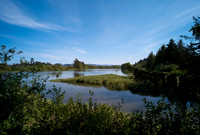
(194,47)
(196,29)
(160,56)
(150,65)
(171,52)
(183,56)
(196,34)
(76,63)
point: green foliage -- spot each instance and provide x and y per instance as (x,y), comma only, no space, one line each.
(160,55)
(7,55)
(166,119)
(171,52)
(35,66)
(127,68)
(150,64)
(196,28)
(102,67)
(194,48)
(141,64)
(171,68)
(110,81)
(41,66)
(171,58)
(78,65)
(58,96)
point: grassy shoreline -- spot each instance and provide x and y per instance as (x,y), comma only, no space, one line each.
(109,81)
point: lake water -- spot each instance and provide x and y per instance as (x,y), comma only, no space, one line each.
(101,94)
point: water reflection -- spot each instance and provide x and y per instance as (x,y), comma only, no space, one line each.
(56,74)
(78,74)
(176,95)
(101,94)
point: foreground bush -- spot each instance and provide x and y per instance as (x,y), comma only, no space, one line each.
(37,115)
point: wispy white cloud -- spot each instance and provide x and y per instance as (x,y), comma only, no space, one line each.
(190,11)
(174,20)
(53,55)
(12,14)
(79,50)
(49,56)
(150,47)
(7,36)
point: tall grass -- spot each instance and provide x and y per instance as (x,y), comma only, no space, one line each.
(110,81)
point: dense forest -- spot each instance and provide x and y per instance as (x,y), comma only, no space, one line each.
(172,57)
(25,108)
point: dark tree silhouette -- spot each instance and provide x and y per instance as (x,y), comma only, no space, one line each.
(150,65)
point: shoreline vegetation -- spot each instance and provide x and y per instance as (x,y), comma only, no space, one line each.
(109,81)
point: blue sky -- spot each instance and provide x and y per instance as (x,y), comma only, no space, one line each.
(94,31)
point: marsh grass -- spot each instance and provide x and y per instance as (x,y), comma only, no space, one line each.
(109,81)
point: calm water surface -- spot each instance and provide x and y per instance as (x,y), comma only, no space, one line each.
(101,94)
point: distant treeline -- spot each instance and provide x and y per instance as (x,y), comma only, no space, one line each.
(80,65)
(33,65)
